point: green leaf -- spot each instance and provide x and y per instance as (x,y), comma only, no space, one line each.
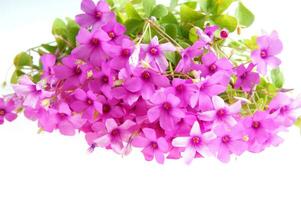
(193,35)
(251,43)
(244,15)
(189,15)
(277,77)
(191,4)
(134,26)
(15,76)
(298,123)
(23,59)
(159,11)
(72,31)
(148,6)
(226,21)
(215,7)
(132,12)
(223,5)
(173,4)
(169,19)
(49,48)
(59,28)
(171,30)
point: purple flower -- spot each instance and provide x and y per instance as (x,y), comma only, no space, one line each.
(48,61)
(87,103)
(211,86)
(246,79)
(93,46)
(165,108)
(154,54)
(31,92)
(111,108)
(210,31)
(115,31)
(269,47)
(222,113)
(196,143)
(285,109)
(228,141)
(150,81)
(152,145)
(72,70)
(94,14)
(211,65)
(113,135)
(259,128)
(187,63)
(6,111)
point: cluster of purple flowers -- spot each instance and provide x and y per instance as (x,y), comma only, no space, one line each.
(123,95)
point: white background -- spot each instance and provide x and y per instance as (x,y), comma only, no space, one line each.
(50,166)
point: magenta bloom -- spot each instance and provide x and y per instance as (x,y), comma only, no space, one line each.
(111,108)
(152,145)
(285,110)
(210,31)
(269,47)
(6,111)
(259,127)
(211,65)
(165,109)
(196,143)
(222,113)
(154,54)
(87,103)
(31,92)
(149,81)
(211,86)
(187,63)
(246,79)
(113,135)
(115,31)
(94,14)
(73,71)
(93,46)
(48,61)
(228,141)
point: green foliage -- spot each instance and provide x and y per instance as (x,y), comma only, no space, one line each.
(244,15)
(148,6)
(188,14)
(226,21)
(159,11)
(277,78)
(23,59)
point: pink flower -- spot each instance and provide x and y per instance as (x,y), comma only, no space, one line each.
(115,31)
(152,145)
(222,113)
(211,86)
(196,143)
(113,135)
(87,103)
(165,109)
(154,54)
(246,79)
(93,46)
(211,65)
(48,61)
(31,92)
(269,47)
(7,111)
(94,14)
(228,141)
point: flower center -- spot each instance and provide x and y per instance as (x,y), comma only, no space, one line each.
(221,113)
(125,52)
(105,79)
(2,112)
(226,139)
(263,54)
(196,140)
(167,106)
(154,145)
(95,42)
(224,34)
(112,35)
(145,75)
(77,71)
(115,132)
(154,51)
(212,68)
(180,88)
(62,116)
(89,101)
(98,14)
(244,75)
(256,124)
(106,108)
